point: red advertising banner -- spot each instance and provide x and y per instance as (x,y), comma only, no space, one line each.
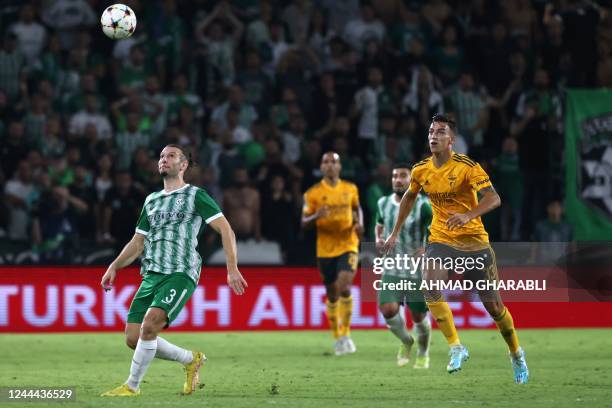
(70,299)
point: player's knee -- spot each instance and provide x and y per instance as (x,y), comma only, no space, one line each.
(495,309)
(331,292)
(345,292)
(131,340)
(388,310)
(148,330)
(418,317)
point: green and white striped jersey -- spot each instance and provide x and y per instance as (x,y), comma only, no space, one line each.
(414,232)
(171,223)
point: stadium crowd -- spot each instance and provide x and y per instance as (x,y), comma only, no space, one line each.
(260,89)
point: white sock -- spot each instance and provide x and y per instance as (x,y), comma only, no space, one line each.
(423,334)
(397,325)
(143,355)
(168,351)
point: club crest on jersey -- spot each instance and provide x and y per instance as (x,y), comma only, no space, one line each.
(595,163)
(179,202)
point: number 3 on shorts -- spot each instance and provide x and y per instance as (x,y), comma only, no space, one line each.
(168,299)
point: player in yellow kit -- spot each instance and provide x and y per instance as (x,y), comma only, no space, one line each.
(333,206)
(453,181)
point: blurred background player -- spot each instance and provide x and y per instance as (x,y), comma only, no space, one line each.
(411,240)
(333,206)
(166,235)
(452,181)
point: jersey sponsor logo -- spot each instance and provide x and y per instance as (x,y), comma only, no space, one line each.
(482,181)
(442,198)
(595,163)
(166,216)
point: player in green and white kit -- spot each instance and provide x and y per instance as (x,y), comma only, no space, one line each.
(411,241)
(167,235)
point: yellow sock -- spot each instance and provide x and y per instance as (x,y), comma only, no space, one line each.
(444,318)
(333,318)
(346,311)
(505,324)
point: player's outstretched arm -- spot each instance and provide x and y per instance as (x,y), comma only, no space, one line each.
(406,205)
(129,253)
(228,239)
(488,200)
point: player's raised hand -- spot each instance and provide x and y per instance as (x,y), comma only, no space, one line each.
(236,281)
(108,279)
(457,220)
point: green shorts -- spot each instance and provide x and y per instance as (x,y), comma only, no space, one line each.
(414,299)
(167,292)
(329,268)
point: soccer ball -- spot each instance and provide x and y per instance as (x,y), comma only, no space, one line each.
(118,21)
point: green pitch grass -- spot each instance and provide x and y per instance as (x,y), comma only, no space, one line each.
(295,369)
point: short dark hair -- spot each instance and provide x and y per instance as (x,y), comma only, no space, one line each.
(185,152)
(401,165)
(440,117)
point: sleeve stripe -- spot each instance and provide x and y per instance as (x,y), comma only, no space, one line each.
(142,232)
(213,217)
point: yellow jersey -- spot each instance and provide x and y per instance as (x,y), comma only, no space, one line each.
(451,189)
(335,233)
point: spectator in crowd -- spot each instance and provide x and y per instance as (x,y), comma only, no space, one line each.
(120,208)
(256,84)
(278,215)
(54,233)
(133,74)
(363,28)
(235,100)
(294,138)
(91,114)
(296,17)
(35,120)
(31,35)
(448,58)
(341,12)
(241,206)
(325,104)
(13,148)
(240,134)
(471,109)
(13,74)
(19,193)
(366,106)
(320,33)
(128,140)
(580,21)
(66,17)
(210,32)
(182,96)
(508,183)
(552,236)
(422,99)
(310,164)
(257,32)
(82,196)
